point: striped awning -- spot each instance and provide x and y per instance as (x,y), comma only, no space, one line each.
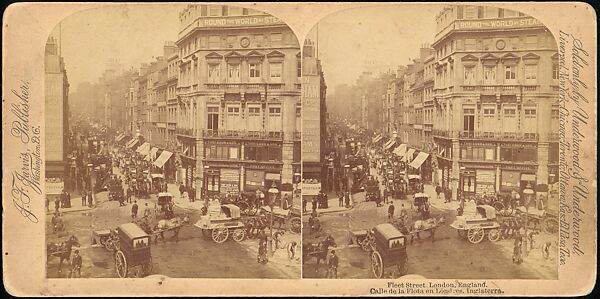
(163,158)
(389,144)
(418,161)
(119,137)
(377,138)
(132,142)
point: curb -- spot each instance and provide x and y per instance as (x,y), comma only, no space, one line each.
(71,211)
(330,212)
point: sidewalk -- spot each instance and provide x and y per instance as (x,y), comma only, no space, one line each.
(333,206)
(75,207)
(184,202)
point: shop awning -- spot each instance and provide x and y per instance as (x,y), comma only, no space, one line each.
(143,149)
(377,138)
(418,161)
(389,144)
(132,142)
(400,150)
(119,137)
(528,177)
(272,176)
(409,155)
(163,158)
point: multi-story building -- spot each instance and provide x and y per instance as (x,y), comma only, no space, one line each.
(239,97)
(313,121)
(496,100)
(172,113)
(57,167)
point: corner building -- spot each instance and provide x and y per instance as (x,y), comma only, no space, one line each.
(495,101)
(238,93)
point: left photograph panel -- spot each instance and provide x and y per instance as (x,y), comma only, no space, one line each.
(173,144)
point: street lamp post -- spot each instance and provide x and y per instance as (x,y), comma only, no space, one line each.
(528,192)
(273,191)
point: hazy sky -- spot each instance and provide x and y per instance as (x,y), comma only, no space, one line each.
(130,33)
(388,35)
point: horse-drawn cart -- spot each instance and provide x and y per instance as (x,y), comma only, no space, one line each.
(134,251)
(218,226)
(389,250)
(476,228)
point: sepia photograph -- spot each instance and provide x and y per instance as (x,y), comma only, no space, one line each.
(256,149)
(435,131)
(172,144)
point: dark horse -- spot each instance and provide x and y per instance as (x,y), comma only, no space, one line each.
(61,250)
(318,250)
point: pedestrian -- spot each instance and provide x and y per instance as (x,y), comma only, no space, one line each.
(129,193)
(90,198)
(47,204)
(438,191)
(75,265)
(332,265)
(340,199)
(347,199)
(315,200)
(67,199)
(291,250)
(147,211)
(83,197)
(192,194)
(391,209)
(181,190)
(63,198)
(56,204)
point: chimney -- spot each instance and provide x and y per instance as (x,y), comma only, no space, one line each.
(308,50)
(169,49)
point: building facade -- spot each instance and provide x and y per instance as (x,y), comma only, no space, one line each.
(57,166)
(495,99)
(239,99)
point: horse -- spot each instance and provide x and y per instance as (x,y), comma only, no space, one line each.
(318,250)
(61,250)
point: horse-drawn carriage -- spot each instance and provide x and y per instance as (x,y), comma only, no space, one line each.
(476,228)
(421,201)
(165,202)
(317,250)
(106,238)
(221,223)
(372,193)
(133,251)
(61,250)
(389,250)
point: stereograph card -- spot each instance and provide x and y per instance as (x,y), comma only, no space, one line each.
(299,149)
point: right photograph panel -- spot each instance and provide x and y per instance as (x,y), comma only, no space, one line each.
(430,144)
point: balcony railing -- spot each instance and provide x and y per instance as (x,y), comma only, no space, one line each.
(187,132)
(510,89)
(501,136)
(244,87)
(242,134)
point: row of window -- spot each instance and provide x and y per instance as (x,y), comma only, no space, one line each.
(233,72)
(529,42)
(273,40)
(530,74)
(270,153)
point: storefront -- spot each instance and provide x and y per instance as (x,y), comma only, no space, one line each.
(229,179)
(188,169)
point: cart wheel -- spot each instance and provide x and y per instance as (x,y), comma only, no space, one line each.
(296,225)
(377,264)
(239,234)
(551,225)
(220,235)
(507,211)
(121,264)
(403,266)
(364,244)
(206,233)
(109,245)
(462,233)
(493,235)
(147,267)
(475,235)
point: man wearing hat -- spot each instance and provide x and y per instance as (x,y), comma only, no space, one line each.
(75,264)
(332,265)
